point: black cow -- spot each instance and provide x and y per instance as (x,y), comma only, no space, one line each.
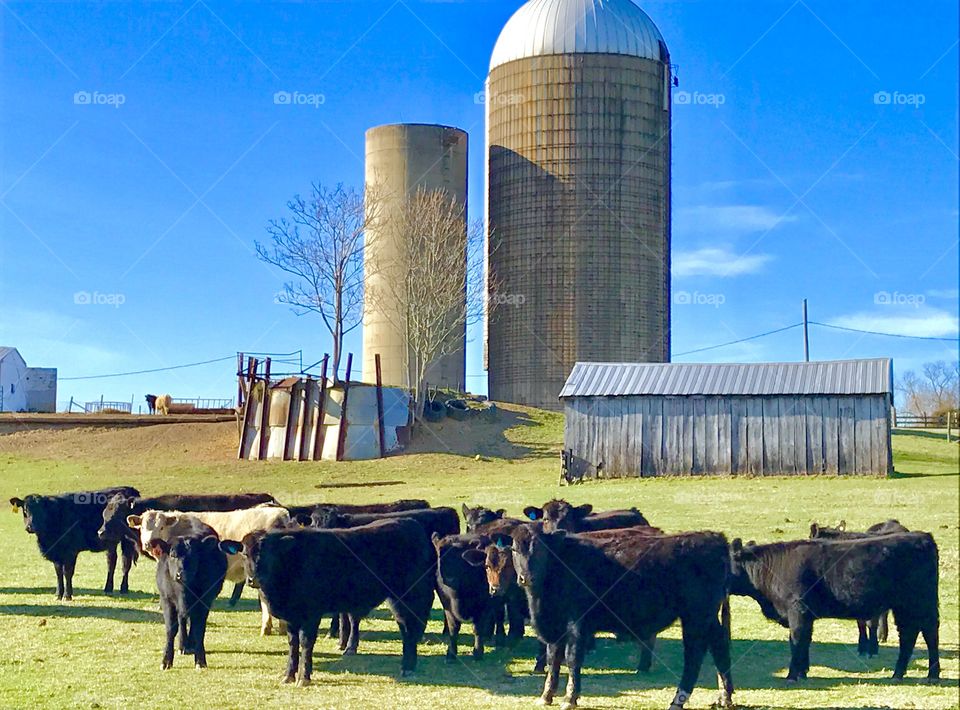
(190,572)
(799,581)
(439,521)
(66,525)
(114,520)
(151,403)
(630,583)
(463,591)
(871,632)
(303,512)
(306,574)
(561,515)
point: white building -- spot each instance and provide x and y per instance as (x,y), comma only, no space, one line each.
(25,389)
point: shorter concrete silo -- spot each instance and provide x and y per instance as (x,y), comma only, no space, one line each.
(401,159)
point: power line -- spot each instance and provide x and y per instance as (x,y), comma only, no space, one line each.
(741,340)
(145,372)
(875,332)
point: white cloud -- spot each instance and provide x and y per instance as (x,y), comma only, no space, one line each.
(716,262)
(922,322)
(708,220)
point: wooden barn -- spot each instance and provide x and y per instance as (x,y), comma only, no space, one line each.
(672,419)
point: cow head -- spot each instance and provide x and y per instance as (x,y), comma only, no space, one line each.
(743,562)
(325,517)
(39,512)
(497,560)
(561,515)
(182,556)
(532,555)
(115,514)
(475,517)
(254,568)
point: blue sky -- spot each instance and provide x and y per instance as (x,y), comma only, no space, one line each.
(815,155)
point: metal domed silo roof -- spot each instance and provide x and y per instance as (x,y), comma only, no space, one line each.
(543,27)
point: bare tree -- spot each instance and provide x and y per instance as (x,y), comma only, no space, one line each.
(320,244)
(433,287)
(932,392)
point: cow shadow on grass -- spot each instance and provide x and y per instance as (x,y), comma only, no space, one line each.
(75,610)
(78,592)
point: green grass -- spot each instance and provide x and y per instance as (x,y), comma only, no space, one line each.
(104,652)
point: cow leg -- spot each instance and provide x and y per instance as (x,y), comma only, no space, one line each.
(335,627)
(59,570)
(183,617)
(908,638)
(352,623)
(720,651)
(863,641)
(235,596)
(308,637)
(170,626)
(931,636)
(694,649)
(266,620)
(68,568)
(541,665)
(293,659)
(128,553)
(883,628)
(554,658)
(801,632)
(453,634)
(411,631)
(646,654)
(515,620)
(873,645)
(575,652)
(111,568)
(499,631)
(198,631)
(343,630)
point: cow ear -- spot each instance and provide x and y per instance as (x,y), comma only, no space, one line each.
(502,541)
(474,557)
(814,530)
(500,512)
(17,504)
(231,547)
(303,520)
(584,510)
(533,513)
(435,539)
(134,520)
(842,525)
(736,544)
(465,510)
(159,547)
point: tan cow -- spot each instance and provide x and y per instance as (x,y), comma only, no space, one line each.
(163,403)
(232,525)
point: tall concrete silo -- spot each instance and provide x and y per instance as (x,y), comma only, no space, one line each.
(401,159)
(578,194)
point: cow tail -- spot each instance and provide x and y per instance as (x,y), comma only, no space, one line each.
(725,618)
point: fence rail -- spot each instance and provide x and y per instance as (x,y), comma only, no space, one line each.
(102,406)
(205,403)
(922,421)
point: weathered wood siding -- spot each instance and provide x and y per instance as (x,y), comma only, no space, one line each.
(782,435)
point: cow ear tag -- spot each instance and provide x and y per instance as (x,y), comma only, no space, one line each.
(500,545)
(15,508)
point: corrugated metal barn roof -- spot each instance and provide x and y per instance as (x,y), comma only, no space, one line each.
(598,379)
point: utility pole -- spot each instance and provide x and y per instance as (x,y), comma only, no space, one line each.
(806,335)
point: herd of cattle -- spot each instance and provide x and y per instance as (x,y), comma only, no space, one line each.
(567,570)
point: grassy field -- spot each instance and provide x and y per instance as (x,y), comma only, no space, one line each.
(104,652)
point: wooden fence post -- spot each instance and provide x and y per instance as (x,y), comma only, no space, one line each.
(341,442)
(265,413)
(318,424)
(383,446)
